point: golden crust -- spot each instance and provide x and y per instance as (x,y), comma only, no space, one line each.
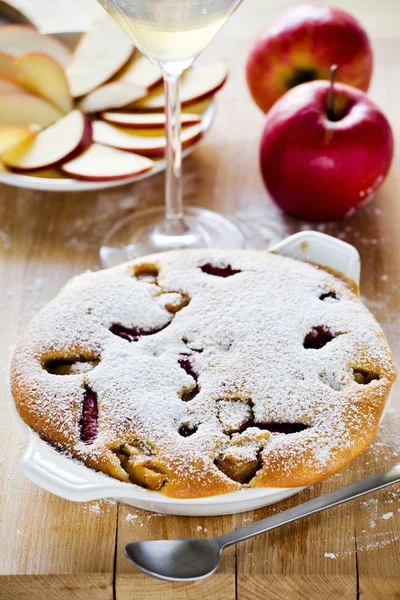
(339,419)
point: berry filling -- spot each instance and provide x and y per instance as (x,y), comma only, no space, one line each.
(186,430)
(89,421)
(286,428)
(318,337)
(186,364)
(227,271)
(328,295)
(133,334)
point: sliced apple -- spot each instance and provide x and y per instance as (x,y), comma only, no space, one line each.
(147,120)
(21,108)
(100,163)
(52,146)
(198,108)
(44,76)
(111,95)
(149,142)
(20,39)
(9,84)
(7,64)
(11,135)
(47,174)
(101,53)
(140,71)
(196,85)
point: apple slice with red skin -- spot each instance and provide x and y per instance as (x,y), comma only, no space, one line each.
(146,143)
(147,120)
(10,84)
(111,95)
(52,146)
(11,135)
(197,84)
(42,75)
(21,108)
(100,54)
(141,72)
(101,163)
(319,169)
(300,45)
(20,39)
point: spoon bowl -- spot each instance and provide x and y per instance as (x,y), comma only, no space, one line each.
(187,559)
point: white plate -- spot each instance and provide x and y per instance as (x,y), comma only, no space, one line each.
(74,481)
(70,38)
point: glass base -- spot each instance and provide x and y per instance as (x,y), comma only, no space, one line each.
(142,233)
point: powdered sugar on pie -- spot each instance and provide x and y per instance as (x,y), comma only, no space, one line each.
(201,372)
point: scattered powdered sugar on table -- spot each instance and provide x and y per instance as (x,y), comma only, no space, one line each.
(200,529)
(247,520)
(377,541)
(367,542)
(387,516)
(5,241)
(262,227)
(36,285)
(93,507)
(97,507)
(131,517)
(35,288)
(142,518)
(372,539)
(87,232)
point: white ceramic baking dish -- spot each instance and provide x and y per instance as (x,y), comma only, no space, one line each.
(72,480)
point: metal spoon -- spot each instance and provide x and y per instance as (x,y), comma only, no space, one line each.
(191,559)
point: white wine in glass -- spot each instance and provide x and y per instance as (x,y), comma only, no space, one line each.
(171,33)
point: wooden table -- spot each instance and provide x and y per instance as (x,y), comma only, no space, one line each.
(54,549)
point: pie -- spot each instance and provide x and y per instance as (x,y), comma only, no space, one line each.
(204,372)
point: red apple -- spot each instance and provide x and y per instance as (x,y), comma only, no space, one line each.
(301,45)
(320,169)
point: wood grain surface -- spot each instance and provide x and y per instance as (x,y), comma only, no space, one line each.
(52,549)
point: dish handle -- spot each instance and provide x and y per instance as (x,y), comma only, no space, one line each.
(52,471)
(324,250)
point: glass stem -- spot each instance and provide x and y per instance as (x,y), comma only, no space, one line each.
(174,223)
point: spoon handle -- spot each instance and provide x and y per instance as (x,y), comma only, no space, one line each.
(359,488)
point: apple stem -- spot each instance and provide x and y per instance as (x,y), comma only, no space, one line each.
(331,112)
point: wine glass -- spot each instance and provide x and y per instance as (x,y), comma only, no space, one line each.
(171,33)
